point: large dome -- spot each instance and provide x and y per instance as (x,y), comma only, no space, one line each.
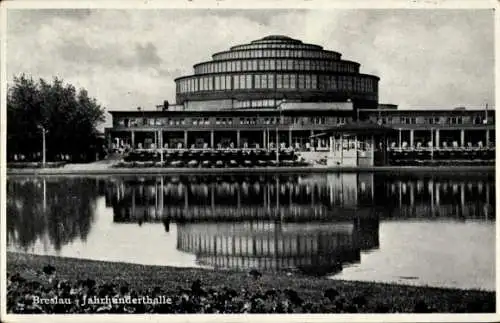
(278,67)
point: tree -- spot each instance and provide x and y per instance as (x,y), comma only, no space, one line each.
(70,118)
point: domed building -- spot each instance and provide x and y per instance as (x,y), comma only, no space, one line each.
(267,71)
(280,91)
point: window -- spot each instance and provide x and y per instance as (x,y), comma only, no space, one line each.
(293,81)
(270,81)
(302,81)
(248,81)
(236,82)
(279,81)
(286,81)
(334,83)
(217,83)
(314,82)
(308,81)
(210,83)
(258,81)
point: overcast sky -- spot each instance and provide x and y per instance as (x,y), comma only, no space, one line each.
(129,58)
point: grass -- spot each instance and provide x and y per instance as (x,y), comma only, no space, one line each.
(378,297)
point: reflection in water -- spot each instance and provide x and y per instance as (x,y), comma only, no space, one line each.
(298,198)
(44,209)
(318,224)
(314,248)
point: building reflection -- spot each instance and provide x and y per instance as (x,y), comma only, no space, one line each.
(316,224)
(316,248)
(290,198)
(298,198)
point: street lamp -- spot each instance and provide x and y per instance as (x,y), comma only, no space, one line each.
(43,143)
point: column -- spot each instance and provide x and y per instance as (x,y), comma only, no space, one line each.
(185,139)
(331,143)
(356,149)
(412,195)
(311,140)
(431,192)
(437,138)
(411,138)
(133,201)
(289,138)
(162,193)
(110,140)
(438,195)
(400,138)
(372,148)
(487,206)
(133,139)
(487,141)
(313,200)
(237,139)
(212,139)
(462,198)
(156,139)
(264,139)
(462,138)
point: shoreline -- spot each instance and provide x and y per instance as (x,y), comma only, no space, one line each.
(362,297)
(274,170)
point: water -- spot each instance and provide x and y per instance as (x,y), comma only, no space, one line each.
(418,229)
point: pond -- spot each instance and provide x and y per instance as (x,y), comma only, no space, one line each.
(436,230)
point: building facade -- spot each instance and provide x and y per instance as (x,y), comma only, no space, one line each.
(281,91)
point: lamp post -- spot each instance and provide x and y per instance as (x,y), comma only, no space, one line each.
(43,144)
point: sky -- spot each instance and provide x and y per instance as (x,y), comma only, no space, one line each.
(130,58)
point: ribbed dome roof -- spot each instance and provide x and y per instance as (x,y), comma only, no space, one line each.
(277,38)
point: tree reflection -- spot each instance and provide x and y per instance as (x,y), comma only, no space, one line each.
(56,211)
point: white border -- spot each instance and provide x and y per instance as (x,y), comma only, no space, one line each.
(231,4)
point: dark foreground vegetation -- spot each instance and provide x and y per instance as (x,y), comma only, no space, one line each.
(207,291)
